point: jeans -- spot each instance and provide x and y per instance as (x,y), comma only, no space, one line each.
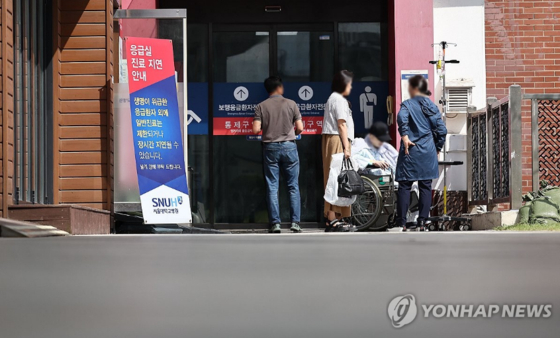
(403,200)
(281,156)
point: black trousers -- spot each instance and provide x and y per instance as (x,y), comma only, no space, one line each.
(403,200)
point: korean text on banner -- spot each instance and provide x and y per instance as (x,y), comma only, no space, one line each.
(156,131)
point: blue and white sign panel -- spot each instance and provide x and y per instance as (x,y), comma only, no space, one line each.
(369,104)
(156,131)
(407,74)
(234,105)
(197,115)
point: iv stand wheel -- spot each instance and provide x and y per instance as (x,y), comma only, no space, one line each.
(464,227)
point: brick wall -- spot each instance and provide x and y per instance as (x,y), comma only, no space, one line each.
(523,47)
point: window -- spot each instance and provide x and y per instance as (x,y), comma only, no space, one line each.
(32,124)
(305,56)
(241,56)
(363,49)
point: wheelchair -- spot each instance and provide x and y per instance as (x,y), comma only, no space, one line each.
(375,209)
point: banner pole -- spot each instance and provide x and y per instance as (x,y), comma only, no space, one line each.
(185,100)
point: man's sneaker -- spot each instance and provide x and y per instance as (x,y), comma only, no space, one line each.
(275,229)
(295,228)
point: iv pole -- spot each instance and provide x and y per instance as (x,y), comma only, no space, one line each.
(440,64)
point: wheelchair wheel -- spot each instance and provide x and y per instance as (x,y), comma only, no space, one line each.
(367,208)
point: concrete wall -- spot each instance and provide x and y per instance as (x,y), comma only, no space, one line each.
(461,22)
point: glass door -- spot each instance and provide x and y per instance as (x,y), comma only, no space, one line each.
(305,60)
(240,63)
(305,53)
(242,58)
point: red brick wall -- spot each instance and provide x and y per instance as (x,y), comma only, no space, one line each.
(523,47)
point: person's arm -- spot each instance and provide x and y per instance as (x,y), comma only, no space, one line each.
(439,131)
(341,114)
(257,120)
(299,127)
(402,120)
(256,127)
(381,164)
(298,122)
(391,155)
(363,158)
(343,132)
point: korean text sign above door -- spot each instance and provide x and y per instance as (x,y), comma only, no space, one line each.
(234,105)
(156,131)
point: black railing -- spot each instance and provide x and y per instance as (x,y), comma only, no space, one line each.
(494,156)
(476,127)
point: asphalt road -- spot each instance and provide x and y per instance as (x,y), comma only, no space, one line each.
(267,286)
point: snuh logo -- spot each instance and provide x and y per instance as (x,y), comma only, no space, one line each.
(167,202)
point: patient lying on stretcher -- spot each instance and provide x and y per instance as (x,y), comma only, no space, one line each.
(375,152)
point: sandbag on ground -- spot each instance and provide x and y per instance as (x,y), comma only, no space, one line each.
(525,213)
(553,193)
(544,208)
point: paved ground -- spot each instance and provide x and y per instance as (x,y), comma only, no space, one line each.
(267,286)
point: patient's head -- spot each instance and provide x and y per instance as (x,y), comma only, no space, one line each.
(378,134)
(375,141)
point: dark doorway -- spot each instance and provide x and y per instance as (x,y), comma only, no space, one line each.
(232,48)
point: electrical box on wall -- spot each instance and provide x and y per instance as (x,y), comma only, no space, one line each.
(459,95)
(456,143)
